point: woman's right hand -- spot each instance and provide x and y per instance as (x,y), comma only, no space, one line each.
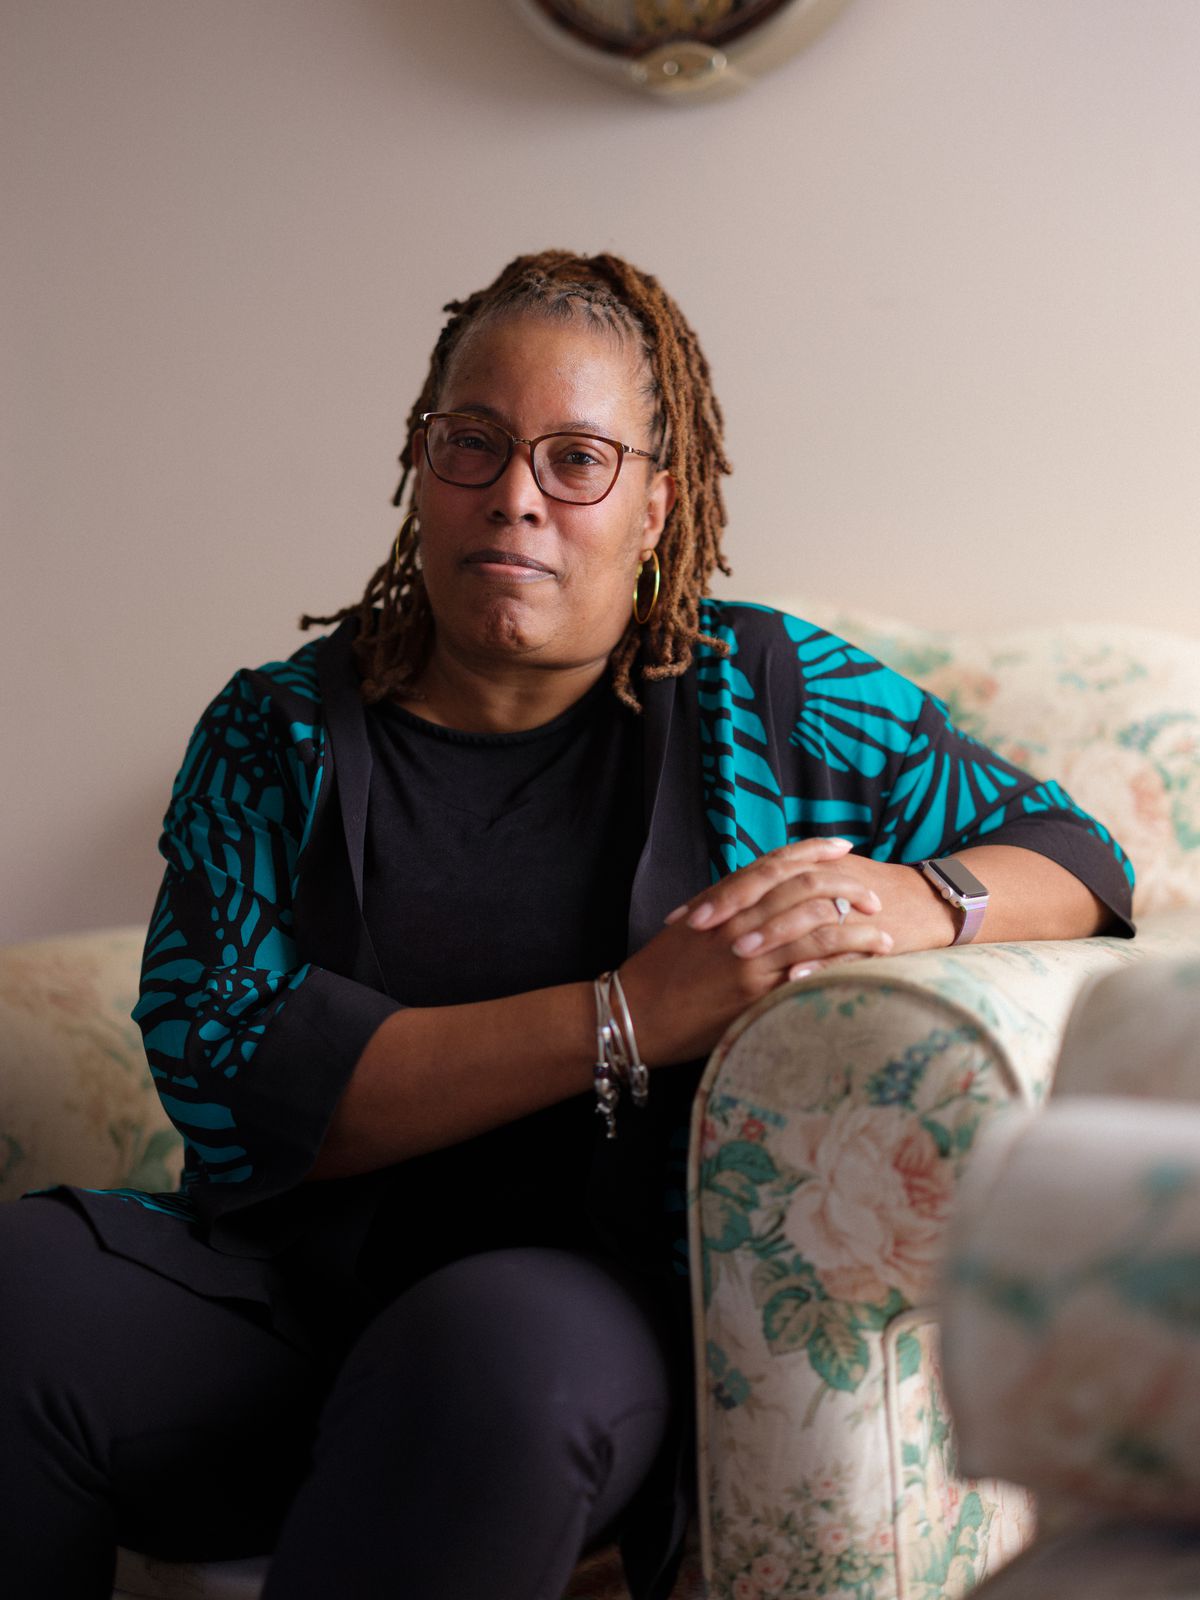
(704,968)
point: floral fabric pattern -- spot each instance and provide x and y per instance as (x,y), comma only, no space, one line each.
(831,1132)
(949,1532)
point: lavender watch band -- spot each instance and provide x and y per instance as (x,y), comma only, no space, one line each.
(967,895)
(973,912)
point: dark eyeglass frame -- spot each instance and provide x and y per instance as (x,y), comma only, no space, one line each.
(561,433)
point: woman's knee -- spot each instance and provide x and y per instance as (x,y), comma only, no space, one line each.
(526,1352)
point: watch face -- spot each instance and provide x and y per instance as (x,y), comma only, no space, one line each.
(960,879)
(632,27)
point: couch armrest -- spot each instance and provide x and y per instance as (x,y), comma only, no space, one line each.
(77,1102)
(829,1132)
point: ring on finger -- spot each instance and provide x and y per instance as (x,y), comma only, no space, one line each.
(842,906)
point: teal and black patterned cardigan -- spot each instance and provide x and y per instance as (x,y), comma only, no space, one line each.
(260,987)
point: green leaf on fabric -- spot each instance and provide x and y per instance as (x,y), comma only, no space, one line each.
(789,1318)
(732,1390)
(837,1352)
(964,1136)
(743,1155)
(910,1454)
(877,1317)
(775,1273)
(725,1203)
(908,1356)
(717,1359)
(971,1515)
(939,1135)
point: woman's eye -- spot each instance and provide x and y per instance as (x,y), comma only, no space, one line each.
(472,441)
(580,455)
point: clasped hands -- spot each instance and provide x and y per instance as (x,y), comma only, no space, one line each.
(772,921)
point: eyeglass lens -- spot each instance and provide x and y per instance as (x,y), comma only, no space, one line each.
(570,466)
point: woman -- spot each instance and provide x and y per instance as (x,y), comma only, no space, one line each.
(414,1318)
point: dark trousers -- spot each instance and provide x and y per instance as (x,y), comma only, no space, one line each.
(483,1429)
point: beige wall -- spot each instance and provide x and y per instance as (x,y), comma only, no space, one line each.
(945,265)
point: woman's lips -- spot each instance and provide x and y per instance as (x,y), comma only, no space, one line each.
(512,564)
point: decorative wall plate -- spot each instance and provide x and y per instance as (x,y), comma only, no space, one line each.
(680,48)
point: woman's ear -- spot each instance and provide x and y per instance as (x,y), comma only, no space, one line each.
(659,504)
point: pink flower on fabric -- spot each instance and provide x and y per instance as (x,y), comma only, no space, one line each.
(709,1134)
(833,1540)
(769,1573)
(882,1541)
(951,1498)
(754,1129)
(871,1216)
(744,1588)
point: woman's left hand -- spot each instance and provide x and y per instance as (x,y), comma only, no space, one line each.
(774,914)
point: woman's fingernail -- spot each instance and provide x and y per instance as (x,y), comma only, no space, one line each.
(702,916)
(886,940)
(840,844)
(796,973)
(747,944)
(873,900)
(679,911)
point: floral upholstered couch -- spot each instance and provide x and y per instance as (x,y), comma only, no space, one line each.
(837,1116)
(830,1133)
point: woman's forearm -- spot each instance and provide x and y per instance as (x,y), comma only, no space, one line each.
(434,1076)
(1029,897)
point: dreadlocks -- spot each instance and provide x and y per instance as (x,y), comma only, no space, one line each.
(395,621)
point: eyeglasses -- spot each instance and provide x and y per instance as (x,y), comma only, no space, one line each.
(580,468)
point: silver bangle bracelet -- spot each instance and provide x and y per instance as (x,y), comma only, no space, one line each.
(637,1071)
(605,1082)
(617,1058)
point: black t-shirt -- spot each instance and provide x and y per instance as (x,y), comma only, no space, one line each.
(495,864)
(499,863)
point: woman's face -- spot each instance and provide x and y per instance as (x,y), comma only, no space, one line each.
(513,576)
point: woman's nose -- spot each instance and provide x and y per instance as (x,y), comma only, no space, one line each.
(515,496)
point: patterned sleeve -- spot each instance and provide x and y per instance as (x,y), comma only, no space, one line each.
(250,1049)
(804,734)
(924,788)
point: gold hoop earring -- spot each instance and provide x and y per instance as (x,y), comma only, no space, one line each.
(641,621)
(408,525)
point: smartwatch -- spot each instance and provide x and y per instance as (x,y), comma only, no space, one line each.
(962,889)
